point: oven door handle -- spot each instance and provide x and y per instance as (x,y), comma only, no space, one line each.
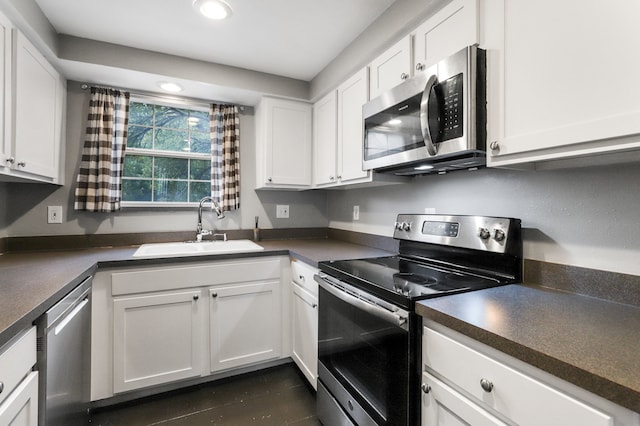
(432,149)
(377,311)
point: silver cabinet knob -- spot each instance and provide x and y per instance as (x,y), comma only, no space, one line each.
(269,179)
(196,297)
(495,147)
(22,164)
(486,385)
(331,178)
(425,388)
(1,387)
(11,160)
(339,177)
(419,66)
(301,277)
(314,305)
(214,295)
(404,76)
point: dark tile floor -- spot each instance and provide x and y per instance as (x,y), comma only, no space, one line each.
(275,396)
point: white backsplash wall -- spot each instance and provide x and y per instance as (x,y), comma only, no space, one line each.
(26,207)
(584,217)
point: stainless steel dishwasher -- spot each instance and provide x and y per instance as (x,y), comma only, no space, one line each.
(64,343)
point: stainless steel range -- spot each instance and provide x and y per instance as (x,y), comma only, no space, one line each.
(369,333)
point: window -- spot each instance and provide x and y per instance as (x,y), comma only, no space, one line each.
(168,156)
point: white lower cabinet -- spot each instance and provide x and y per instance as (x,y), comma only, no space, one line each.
(244,324)
(18,384)
(167,323)
(156,339)
(305,321)
(466,382)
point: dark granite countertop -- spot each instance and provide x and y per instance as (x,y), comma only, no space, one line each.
(592,343)
(32,282)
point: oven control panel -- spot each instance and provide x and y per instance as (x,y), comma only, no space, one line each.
(475,232)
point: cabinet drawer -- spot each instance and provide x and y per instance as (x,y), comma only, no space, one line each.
(302,275)
(202,275)
(513,394)
(16,360)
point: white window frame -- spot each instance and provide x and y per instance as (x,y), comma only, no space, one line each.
(174,103)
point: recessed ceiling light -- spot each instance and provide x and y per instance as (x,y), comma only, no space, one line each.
(170,87)
(212,9)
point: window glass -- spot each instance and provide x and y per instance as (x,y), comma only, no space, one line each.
(168,155)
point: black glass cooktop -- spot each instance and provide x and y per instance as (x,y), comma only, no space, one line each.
(404,281)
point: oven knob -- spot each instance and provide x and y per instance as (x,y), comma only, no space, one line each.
(398,226)
(406,226)
(484,233)
(498,235)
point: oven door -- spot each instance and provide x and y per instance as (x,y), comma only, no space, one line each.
(364,350)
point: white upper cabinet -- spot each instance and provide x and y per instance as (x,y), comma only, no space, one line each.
(33,97)
(562,79)
(448,31)
(391,68)
(325,134)
(5,92)
(352,95)
(283,139)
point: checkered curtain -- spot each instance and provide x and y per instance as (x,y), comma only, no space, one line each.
(225,155)
(99,182)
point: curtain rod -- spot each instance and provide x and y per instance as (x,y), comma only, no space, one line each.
(242,109)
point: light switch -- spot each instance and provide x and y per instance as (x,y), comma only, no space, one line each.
(54,214)
(282,211)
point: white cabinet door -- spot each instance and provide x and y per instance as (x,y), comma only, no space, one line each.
(156,339)
(21,407)
(5,92)
(453,28)
(305,333)
(245,324)
(38,113)
(352,94)
(284,144)
(325,140)
(443,406)
(391,68)
(565,87)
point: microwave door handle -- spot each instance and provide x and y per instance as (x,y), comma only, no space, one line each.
(424,115)
(377,311)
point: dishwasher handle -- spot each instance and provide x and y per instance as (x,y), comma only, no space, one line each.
(67,319)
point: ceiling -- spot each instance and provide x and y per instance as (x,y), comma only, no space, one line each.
(291,38)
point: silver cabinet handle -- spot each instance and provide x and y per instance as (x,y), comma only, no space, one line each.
(196,297)
(419,66)
(495,147)
(339,177)
(486,385)
(425,388)
(11,160)
(315,305)
(404,76)
(22,164)
(214,295)
(269,179)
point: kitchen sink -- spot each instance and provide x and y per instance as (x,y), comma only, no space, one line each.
(180,249)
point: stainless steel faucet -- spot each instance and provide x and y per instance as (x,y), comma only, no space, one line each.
(214,206)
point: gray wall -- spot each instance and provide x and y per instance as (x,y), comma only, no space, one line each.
(584,217)
(25,215)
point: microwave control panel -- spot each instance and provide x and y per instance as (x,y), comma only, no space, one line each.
(450,95)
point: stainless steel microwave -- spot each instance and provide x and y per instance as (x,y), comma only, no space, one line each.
(434,122)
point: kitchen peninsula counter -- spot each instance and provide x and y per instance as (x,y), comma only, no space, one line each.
(590,342)
(32,282)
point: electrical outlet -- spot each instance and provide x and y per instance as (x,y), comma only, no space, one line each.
(54,214)
(356,212)
(282,211)
(429,210)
